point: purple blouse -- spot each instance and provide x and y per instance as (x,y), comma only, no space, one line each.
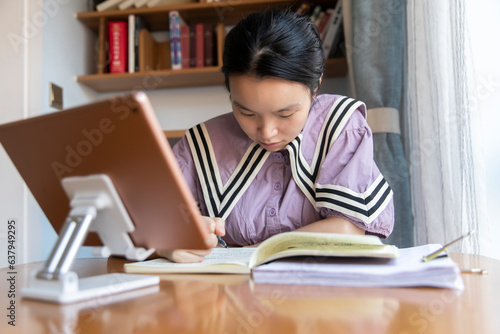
(328,170)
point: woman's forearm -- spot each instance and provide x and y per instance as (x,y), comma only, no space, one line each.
(332,225)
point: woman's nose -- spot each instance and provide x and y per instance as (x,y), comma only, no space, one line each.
(268,130)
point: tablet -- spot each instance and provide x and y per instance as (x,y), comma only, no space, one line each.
(119,137)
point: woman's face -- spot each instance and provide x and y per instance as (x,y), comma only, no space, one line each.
(270,111)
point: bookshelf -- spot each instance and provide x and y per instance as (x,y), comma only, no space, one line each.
(221,14)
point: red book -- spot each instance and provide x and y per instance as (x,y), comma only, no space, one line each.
(185,55)
(200,45)
(192,46)
(323,24)
(118,49)
(209,45)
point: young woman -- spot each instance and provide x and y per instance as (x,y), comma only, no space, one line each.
(284,159)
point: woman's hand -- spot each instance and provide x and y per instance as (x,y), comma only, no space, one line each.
(215,226)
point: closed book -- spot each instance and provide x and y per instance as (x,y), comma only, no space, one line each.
(185,46)
(333,30)
(209,45)
(102,55)
(108,5)
(175,39)
(131,43)
(140,3)
(118,36)
(200,45)
(323,23)
(155,3)
(192,46)
(126,4)
(140,24)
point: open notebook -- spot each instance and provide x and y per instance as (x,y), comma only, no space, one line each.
(283,245)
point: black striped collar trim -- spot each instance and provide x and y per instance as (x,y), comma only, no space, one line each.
(306,175)
(364,206)
(221,198)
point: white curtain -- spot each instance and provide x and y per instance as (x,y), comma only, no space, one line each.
(437,126)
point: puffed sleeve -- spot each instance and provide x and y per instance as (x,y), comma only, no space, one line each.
(350,184)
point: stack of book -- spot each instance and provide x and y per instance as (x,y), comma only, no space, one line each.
(126,4)
(329,23)
(191,45)
(133,48)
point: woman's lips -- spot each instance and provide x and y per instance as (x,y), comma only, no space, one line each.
(269,145)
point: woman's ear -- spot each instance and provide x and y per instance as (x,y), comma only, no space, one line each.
(317,87)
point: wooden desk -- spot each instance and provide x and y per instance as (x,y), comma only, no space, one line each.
(232,304)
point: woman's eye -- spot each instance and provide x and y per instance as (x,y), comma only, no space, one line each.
(286,116)
(246,114)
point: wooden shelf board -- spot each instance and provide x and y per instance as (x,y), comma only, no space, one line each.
(195,77)
(192,77)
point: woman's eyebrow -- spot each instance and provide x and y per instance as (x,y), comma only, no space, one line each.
(286,108)
(240,106)
(289,107)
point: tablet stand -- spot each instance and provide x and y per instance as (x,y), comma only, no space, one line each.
(95,206)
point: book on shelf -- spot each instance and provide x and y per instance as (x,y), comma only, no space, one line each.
(200,44)
(92,4)
(329,23)
(126,4)
(175,22)
(304,8)
(118,50)
(185,48)
(333,30)
(155,3)
(103,53)
(210,44)
(131,43)
(108,5)
(140,3)
(135,24)
(197,45)
(283,245)
(315,14)
(192,46)
(324,23)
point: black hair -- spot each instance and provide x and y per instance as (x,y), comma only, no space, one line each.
(275,43)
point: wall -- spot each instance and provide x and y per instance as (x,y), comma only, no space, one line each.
(67,51)
(20,65)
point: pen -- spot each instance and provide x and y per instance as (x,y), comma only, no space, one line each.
(474,271)
(433,255)
(221,241)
